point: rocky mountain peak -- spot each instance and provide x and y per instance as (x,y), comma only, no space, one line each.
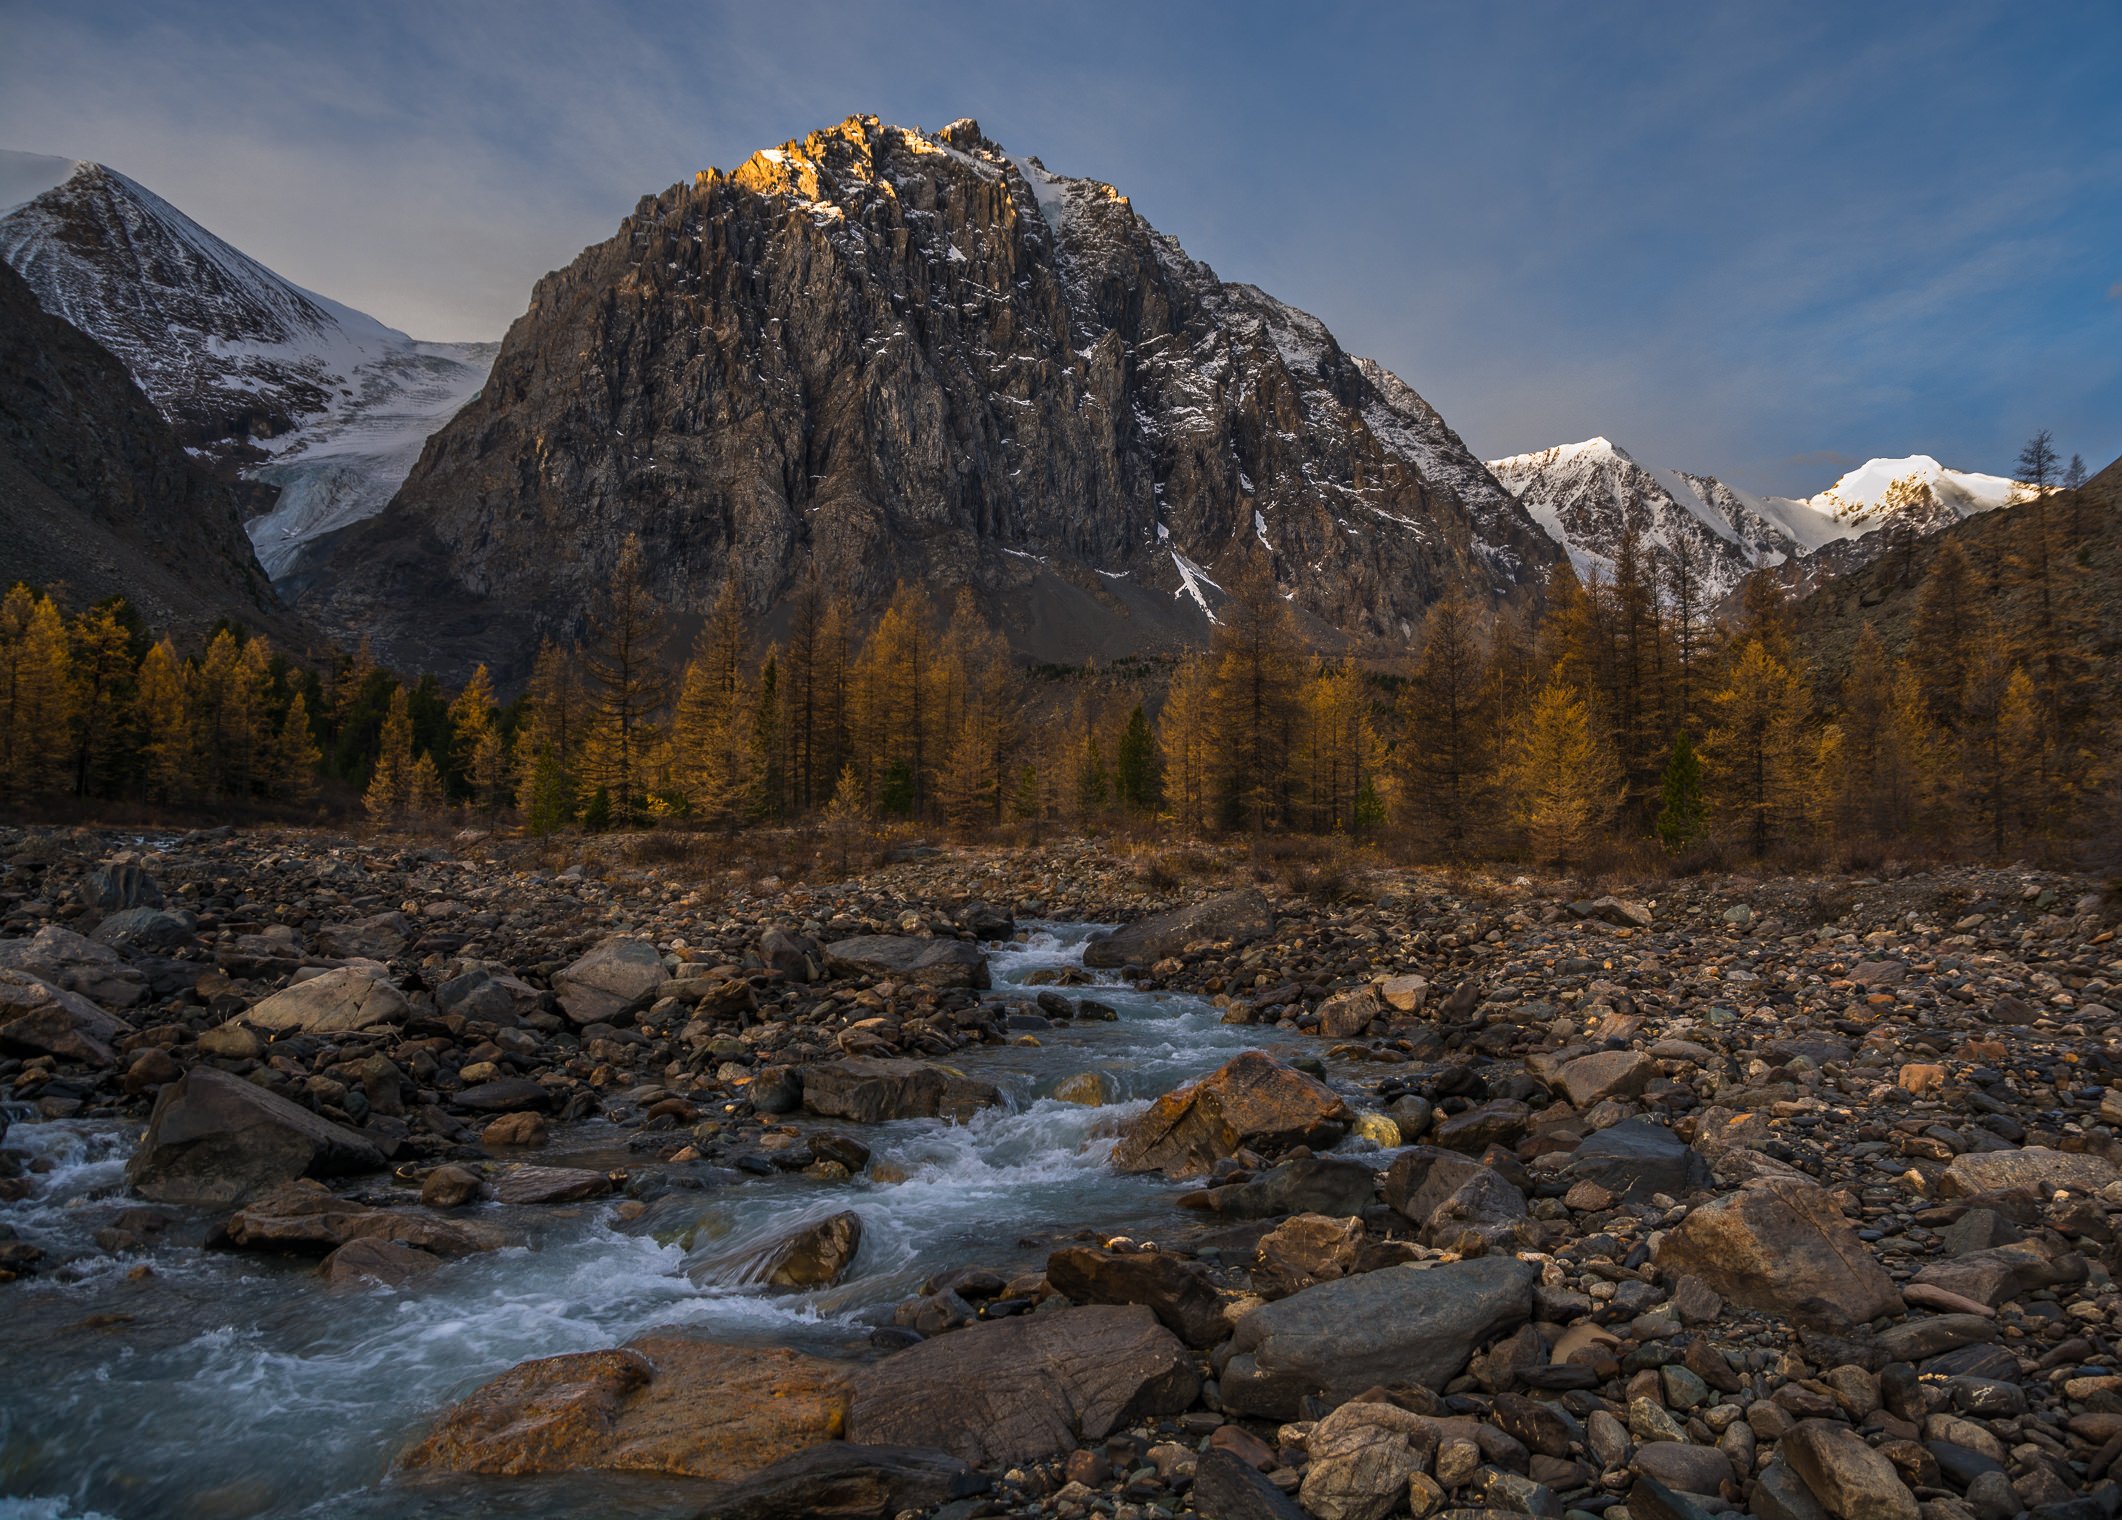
(885,353)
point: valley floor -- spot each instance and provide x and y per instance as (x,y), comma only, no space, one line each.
(352,1176)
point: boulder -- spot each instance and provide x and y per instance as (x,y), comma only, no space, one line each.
(504,1095)
(1361,1458)
(2034,1167)
(1404,1324)
(909,958)
(665,1403)
(795,956)
(116,886)
(46,1020)
(1252,1101)
(1235,918)
(1453,1199)
(343,1001)
(609,979)
(1348,1014)
(812,1255)
(1308,1185)
(1851,1481)
(1305,1249)
(1179,1292)
(378,1263)
(217,1140)
(77,964)
(375,938)
(144,931)
(306,1217)
(840,1480)
(1636,1160)
(872,1089)
(1027,1388)
(547,1184)
(1407,993)
(1606,1074)
(1780,1244)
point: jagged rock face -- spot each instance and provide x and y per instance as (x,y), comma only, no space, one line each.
(323,405)
(96,493)
(892,354)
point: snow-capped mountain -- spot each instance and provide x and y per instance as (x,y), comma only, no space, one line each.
(324,402)
(1587,495)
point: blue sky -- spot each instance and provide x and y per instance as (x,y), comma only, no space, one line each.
(1761,240)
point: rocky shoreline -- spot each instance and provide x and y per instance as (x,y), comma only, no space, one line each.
(1785,1196)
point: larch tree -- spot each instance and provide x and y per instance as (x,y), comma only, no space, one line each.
(1949,622)
(1342,753)
(549,742)
(713,763)
(1446,756)
(105,682)
(36,697)
(1136,781)
(295,753)
(1563,778)
(389,793)
(1756,754)
(168,740)
(1682,809)
(1878,781)
(472,715)
(628,687)
(1186,745)
(1254,699)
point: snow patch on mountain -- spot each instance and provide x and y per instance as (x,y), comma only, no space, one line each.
(303,392)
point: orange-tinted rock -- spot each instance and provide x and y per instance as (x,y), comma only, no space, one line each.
(1251,1101)
(665,1403)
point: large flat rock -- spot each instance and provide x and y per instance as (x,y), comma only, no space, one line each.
(1781,1244)
(1024,1389)
(1236,918)
(342,1001)
(1402,1324)
(872,1089)
(909,958)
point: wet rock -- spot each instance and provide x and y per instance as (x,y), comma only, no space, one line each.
(1027,1388)
(1179,1292)
(1087,1088)
(813,1255)
(1251,1102)
(1636,1160)
(522,1130)
(304,1216)
(1236,918)
(378,1263)
(1349,1014)
(1781,1244)
(504,1095)
(43,1019)
(1851,1481)
(840,1480)
(449,1187)
(665,1403)
(1362,1456)
(1308,1185)
(907,958)
(217,1140)
(549,1184)
(1401,1324)
(872,1089)
(344,1001)
(66,959)
(615,975)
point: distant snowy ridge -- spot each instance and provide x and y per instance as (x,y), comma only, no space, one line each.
(1588,495)
(306,394)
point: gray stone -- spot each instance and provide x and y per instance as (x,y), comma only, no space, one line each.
(343,1001)
(1236,918)
(909,958)
(68,960)
(871,1089)
(47,1020)
(1637,1159)
(609,979)
(217,1140)
(1401,1324)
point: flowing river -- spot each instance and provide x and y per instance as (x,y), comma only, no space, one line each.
(196,1384)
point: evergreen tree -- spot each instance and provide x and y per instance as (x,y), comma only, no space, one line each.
(1135,779)
(1681,808)
(1564,779)
(549,743)
(1949,622)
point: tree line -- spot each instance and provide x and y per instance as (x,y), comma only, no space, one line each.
(1623,711)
